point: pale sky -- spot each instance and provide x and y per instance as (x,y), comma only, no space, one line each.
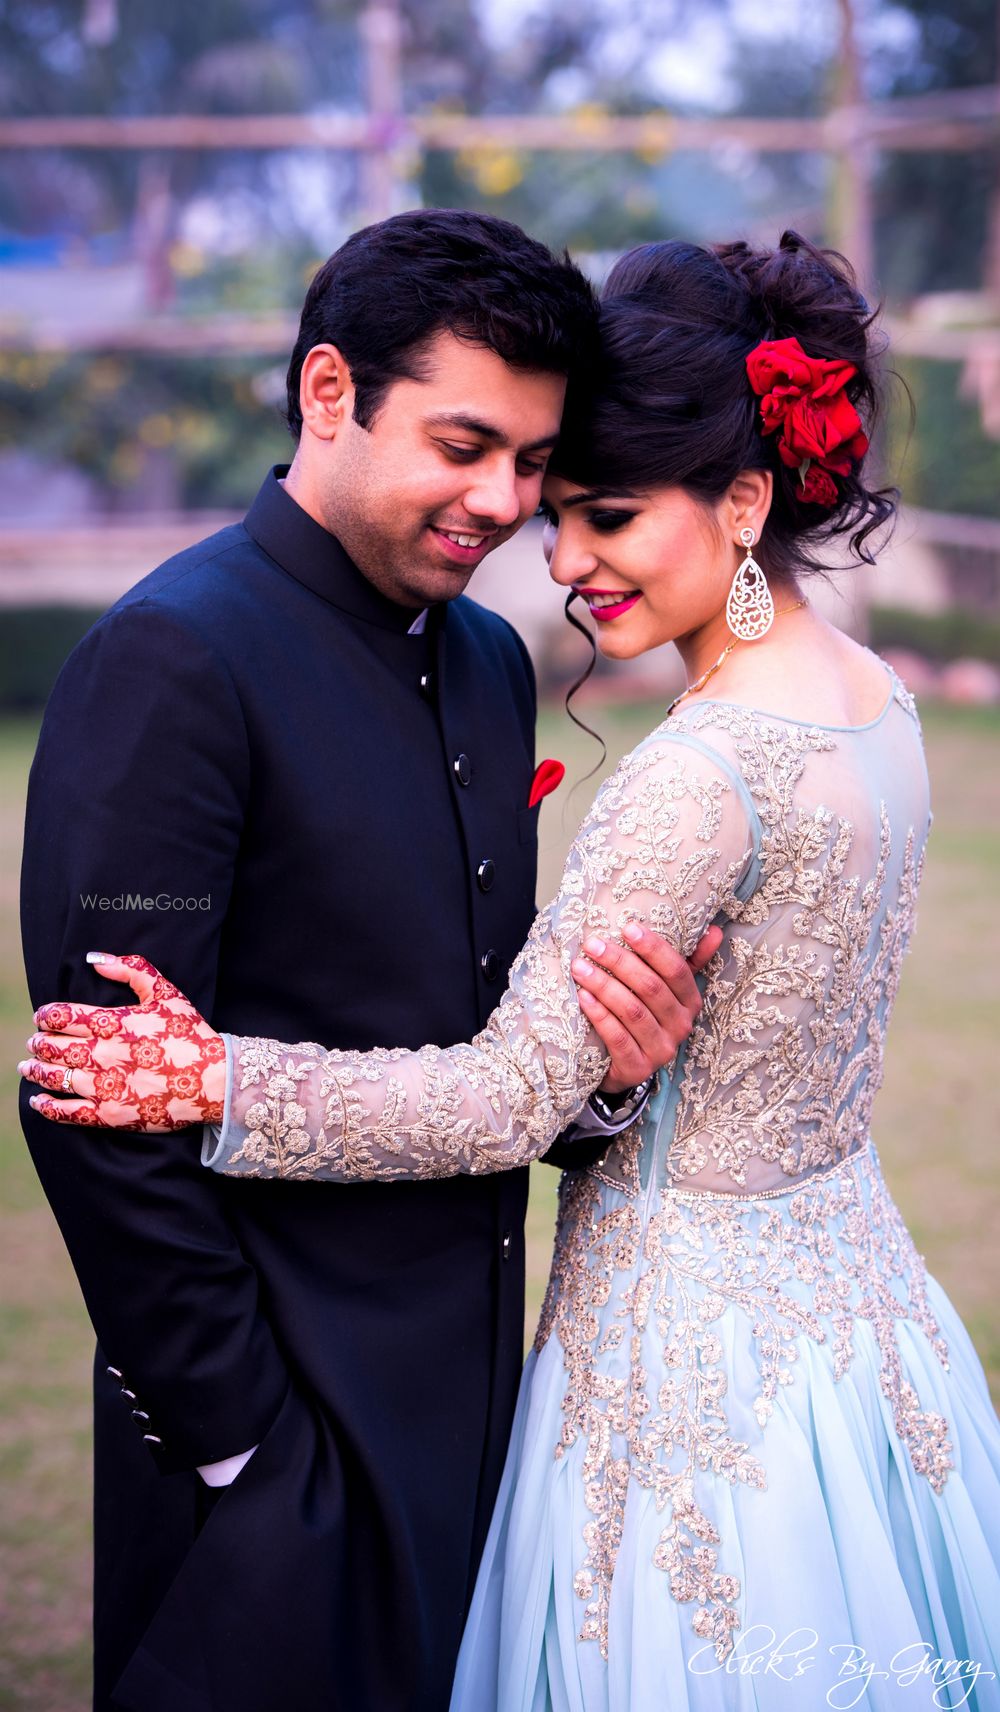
(696,66)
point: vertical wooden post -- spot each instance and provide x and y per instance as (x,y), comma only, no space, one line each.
(852,213)
(381,33)
(991,270)
(100,22)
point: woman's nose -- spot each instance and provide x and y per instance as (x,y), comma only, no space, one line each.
(569,563)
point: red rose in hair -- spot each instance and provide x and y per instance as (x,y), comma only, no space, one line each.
(819,488)
(780,372)
(805,399)
(829,432)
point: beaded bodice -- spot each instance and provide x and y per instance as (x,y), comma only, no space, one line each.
(806,842)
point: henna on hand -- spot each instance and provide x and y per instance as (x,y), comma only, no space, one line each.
(155,1066)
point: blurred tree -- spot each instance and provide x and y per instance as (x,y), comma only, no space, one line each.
(243,230)
(934,210)
(233,56)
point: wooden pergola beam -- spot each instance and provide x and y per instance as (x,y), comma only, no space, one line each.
(970,119)
(274,335)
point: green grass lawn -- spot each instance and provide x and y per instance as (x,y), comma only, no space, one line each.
(935,1122)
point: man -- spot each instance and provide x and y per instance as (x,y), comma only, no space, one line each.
(306,765)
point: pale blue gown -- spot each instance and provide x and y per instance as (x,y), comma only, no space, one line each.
(754,1464)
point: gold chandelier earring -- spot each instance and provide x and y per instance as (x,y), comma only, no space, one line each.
(749,607)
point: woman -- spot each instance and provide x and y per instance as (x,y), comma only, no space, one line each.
(754,1462)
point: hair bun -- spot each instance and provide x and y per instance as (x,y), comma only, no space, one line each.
(805,292)
(670,403)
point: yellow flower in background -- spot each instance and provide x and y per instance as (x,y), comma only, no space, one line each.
(157,431)
(104,375)
(197,432)
(494,172)
(124,465)
(590,116)
(186,260)
(31,369)
(658,129)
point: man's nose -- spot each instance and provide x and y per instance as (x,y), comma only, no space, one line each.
(495,496)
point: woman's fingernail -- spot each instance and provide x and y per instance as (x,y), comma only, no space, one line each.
(633,932)
(596,947)
(98,957)
(582,967)
(33,1102)
(586,998)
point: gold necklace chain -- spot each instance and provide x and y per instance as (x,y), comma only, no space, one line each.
(699,683)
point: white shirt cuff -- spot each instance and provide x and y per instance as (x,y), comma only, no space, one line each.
(589,1122)
(224,1473)
(213,1136)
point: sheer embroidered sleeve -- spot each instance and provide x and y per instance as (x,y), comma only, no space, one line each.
(667,841)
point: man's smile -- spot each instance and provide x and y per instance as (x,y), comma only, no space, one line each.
(465,546)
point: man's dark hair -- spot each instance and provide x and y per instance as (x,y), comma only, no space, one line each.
(392,287)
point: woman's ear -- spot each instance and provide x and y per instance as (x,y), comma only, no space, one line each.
(326,391)
(748,502)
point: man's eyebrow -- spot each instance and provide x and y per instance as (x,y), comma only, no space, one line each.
(485,430)
(589,494)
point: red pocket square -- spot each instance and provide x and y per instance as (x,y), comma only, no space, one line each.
(548,777)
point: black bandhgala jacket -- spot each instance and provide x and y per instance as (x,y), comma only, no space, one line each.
(317,825)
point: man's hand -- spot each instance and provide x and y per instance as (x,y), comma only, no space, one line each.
(642,1001)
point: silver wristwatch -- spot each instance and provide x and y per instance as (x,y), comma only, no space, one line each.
(618,1108)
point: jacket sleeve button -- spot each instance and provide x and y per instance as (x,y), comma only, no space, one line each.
(463,769)
(115,1372)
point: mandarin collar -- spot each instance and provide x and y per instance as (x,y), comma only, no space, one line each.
(314,557)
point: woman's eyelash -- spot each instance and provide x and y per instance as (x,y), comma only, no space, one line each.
(607,522)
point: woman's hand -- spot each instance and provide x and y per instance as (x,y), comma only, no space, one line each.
(154,1066)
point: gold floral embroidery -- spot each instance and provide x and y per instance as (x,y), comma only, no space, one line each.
(810,1262)
(667,841)
(778,1077)
(787,1060)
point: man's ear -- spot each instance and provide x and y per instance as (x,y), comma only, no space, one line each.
(326,391)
